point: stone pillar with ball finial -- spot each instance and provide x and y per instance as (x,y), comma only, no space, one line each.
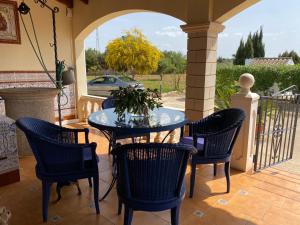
(242,157)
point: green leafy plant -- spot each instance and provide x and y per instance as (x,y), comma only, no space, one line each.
(136,101)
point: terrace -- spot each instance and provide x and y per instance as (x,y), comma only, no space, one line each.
(271,196)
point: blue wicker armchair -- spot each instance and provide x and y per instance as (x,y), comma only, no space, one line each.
(151,178)
(59,156)
(113,137)
(214,138)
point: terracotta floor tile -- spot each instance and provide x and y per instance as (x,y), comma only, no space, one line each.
(268,198)
(277,216)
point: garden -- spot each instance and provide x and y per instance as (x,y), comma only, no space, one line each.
(133,55)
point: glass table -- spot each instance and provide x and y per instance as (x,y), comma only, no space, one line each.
(159,120)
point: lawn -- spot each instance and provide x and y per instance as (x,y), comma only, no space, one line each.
(153,81)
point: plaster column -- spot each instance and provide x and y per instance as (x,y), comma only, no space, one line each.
(201,68)
(81,80)
(244,148)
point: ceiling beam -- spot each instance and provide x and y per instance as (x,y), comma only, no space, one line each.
(69,3)
(85,1)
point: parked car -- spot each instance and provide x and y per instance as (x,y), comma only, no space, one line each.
(103,85)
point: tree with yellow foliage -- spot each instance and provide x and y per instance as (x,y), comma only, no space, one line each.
(132,53)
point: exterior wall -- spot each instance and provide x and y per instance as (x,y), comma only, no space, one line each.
(19,66)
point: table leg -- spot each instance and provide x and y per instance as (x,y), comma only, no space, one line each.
(114,175)
(172,137)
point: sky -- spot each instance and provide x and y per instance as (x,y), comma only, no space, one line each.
(279,18)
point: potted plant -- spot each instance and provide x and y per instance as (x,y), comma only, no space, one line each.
(135,101)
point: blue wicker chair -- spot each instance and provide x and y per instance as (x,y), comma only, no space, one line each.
(214,138)
(59,157)
(112,138)
(151,178)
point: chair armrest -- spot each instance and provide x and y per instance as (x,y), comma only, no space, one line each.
(65,157)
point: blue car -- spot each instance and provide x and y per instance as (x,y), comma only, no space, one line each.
(103,85)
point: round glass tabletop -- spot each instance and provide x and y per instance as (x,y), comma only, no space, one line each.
(161,119)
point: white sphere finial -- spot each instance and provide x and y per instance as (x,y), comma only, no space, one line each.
(246,82)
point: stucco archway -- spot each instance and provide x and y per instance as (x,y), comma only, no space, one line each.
(203,24)
(80,48)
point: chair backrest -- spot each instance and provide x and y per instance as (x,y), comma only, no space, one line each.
(226,123)
(151,172)
(108,103)
(47,130)
(54,153)
(224,126)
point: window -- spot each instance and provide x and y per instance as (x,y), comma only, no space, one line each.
(126,79)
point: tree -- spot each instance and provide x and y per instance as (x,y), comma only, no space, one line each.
(291,54)
(132,53)
(239,57)
(258,45)
(254,47)
(249,52)
(172,63)
(92,60)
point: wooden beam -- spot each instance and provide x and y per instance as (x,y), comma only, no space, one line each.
(68,3)
(85,1)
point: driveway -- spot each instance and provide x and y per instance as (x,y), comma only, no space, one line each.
(174,100)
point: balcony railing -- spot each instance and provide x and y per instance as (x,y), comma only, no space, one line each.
(88,104)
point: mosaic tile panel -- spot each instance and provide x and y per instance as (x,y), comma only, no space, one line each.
(2,107)
(8,146)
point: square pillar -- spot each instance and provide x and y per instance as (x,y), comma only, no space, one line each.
(243,151)
(201,69)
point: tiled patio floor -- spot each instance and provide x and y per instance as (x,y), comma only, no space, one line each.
(269,197)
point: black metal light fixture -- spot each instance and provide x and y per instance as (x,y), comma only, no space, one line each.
(59,65)
(23,8)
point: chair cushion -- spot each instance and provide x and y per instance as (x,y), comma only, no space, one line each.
(189,141)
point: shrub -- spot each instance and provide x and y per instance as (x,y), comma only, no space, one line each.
(265,77)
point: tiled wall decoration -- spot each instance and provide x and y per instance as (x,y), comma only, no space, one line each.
(39,79)
(2,107)
(8,145)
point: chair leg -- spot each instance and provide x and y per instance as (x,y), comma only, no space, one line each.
(90,182)
(227,174)
(46,197)
(119,206)
(109,147)
(215,169)
(128,216)
(192,179)
(78,187)
(175,215)
(96,192)
(58,191)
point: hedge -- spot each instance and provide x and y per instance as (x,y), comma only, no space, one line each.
(265,76)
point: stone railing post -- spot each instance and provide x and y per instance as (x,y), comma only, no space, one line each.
(88,104)
(242,158)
